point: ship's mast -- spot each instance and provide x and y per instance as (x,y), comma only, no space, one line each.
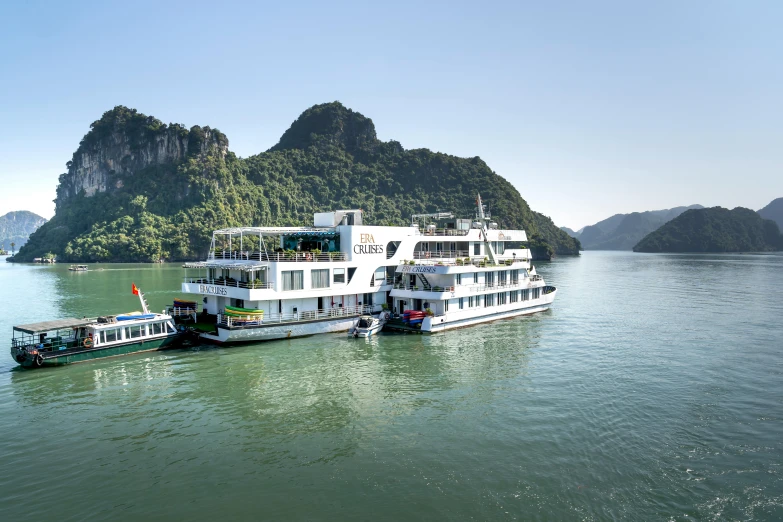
(144,308)
(482,218)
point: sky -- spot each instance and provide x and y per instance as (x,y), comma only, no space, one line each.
(588,108)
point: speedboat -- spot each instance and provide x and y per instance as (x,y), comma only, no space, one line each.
(365,326)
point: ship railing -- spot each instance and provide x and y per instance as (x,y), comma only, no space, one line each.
(291,317)
(423,288)
(440,254)
(275,257)
(231,282)
(493,286)
(50,344)
(536,278)
(176,311)
(478,262)
(444,232)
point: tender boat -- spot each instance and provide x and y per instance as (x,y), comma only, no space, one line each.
(78,268)
(73,340)
(439,273)
(366,326)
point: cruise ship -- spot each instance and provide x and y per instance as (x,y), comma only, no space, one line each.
(264,283)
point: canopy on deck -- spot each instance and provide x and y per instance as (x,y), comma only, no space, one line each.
(48,326)
(247,267)
(272,231)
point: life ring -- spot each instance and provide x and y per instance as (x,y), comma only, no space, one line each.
(87,343)
(38,360)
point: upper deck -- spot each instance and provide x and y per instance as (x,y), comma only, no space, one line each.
(340,255)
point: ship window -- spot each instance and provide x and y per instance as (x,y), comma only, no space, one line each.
(536,293)
(351,272)
(459,280)
(501,247)
(157,328)
(320,278)
(379,278)
(135,332)
(514,277)
(339,275)
(293,279)
(470,302)
(461,303)
(475,277)
(125,333)
(111,335)
(170,328)
(476,249)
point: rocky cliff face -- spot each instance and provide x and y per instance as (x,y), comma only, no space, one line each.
(123,142)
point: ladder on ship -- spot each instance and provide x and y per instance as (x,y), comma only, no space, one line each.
(424,283)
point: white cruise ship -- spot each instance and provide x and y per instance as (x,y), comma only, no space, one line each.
(320,279)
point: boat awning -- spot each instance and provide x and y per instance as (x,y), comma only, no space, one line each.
(272,231)
(48,326)
(227,265)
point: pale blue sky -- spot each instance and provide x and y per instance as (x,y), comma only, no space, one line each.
(588,108)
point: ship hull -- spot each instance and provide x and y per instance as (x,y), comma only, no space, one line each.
(271,332)
(71,357)
(447,322)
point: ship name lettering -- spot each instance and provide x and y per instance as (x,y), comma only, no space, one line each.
(420,269)
(212,290)
(368,249)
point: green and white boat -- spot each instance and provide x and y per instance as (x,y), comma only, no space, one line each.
(72,340)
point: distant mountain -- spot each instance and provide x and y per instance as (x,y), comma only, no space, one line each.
(623,231)
(569,232)
(714,230)
(774,211)
(16,227)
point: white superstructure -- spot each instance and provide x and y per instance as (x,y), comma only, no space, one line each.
(319,279)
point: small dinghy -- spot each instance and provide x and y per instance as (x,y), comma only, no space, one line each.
(365,326)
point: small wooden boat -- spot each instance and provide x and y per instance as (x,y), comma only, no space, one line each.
(78,268)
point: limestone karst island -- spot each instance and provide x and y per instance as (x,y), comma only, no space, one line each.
(140,190)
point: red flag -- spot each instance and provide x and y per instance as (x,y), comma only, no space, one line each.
(135,289)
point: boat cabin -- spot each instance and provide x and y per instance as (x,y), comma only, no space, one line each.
(83,334)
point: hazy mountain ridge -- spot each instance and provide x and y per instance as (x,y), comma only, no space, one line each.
(624,231)
(714,229)
(774,211)
(16,227)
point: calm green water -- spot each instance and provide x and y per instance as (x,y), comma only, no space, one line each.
(652,391)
